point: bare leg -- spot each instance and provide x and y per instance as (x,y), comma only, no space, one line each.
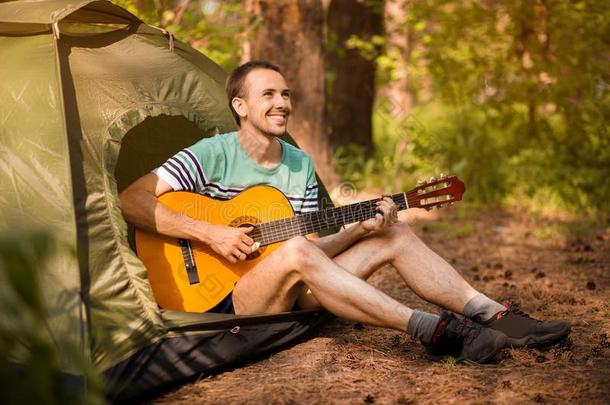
(425,272)
(274,285)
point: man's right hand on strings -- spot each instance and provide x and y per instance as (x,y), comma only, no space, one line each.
(231,243)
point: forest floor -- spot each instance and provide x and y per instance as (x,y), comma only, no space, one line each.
(552,267)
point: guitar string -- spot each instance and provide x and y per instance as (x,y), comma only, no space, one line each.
(347,214)
(313,223)
(348,208)
(297,225)
(293,226)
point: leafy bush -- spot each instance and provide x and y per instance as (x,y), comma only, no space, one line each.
(35,378)
(514,97)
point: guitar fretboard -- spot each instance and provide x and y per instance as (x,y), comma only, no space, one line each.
(310,222)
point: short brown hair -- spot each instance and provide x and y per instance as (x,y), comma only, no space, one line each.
(235,81)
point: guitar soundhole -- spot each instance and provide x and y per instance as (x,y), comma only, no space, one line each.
(244,222)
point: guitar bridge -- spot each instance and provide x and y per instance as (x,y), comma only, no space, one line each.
(189,261)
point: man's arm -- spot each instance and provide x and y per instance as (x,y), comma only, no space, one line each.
(141,208)
(334,244)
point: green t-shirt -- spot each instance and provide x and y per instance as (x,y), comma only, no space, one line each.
(218,167)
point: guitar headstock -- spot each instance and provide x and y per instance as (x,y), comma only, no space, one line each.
(436,192)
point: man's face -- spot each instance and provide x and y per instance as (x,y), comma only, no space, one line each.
(266,102)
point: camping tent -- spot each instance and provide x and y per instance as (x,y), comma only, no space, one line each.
(92,98)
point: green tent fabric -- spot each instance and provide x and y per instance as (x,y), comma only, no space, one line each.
(91,99)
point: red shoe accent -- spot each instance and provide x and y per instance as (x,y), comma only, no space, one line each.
(439,329)
(506,311)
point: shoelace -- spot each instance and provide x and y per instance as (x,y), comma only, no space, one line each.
(515,311)
(460,329)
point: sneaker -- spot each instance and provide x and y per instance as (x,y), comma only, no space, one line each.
(523,330)
(465,342)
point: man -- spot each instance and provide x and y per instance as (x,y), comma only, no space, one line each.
(328,272)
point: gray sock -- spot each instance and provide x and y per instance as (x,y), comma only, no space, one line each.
(422,325)
(481,308)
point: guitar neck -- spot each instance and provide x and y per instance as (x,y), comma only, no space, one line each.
(310,222)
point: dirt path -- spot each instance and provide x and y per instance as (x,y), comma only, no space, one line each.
(540,263)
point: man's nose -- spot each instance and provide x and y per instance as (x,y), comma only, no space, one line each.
(280,101)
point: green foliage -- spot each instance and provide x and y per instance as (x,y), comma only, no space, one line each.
(579,227)
(450,362)
(514,97)
(216,28)
(544,233)
(525,95)
(24,333)
(369,49)
(393,166)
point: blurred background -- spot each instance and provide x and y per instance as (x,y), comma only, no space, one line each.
(512,96)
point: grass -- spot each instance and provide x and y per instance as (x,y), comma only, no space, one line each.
(606,308)
(579,227)
(451,230)
(545,232)
(450,362)
(465,230)
(435,138)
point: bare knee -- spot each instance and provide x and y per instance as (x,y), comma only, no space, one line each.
(397,236)
(403,231)
(300,253)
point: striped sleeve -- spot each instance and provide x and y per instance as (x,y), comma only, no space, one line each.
(310,203)
(183,172)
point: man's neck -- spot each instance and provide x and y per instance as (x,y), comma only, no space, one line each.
(263,149)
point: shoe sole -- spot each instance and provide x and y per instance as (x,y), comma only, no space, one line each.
(539,341)
(501,343)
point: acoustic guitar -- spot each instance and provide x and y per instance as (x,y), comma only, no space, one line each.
(188,276)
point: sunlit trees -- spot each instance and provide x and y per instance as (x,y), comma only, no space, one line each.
(513,96)
(290,34)
(351,70)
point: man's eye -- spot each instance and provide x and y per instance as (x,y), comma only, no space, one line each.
(267,94)
(286,95)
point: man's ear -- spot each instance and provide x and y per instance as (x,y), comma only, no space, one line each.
(239,106)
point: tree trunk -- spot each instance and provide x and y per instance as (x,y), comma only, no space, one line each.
(397,90)
(351,74)
(290,35)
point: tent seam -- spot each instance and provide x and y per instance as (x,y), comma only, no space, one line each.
(85,334)
(168,106)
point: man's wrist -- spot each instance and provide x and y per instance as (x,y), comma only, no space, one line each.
(202,231)
(361,231)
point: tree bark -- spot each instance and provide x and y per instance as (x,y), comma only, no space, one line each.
(397,91)
(351,75)
(290,35)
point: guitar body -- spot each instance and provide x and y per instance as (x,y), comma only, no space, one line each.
(213,278)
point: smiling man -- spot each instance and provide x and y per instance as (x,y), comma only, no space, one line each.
(329,272)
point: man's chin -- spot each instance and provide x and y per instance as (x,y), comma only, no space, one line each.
(271,130)
(278,131)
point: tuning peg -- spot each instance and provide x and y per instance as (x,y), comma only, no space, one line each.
(420,182)
(442,176)
(432,180)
